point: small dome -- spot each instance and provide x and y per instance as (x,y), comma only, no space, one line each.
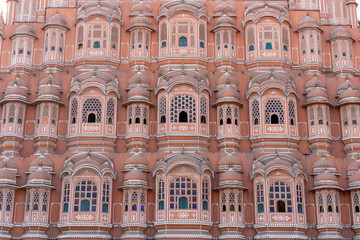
(315,82)
(226,78)
(6,176)
(350,95)
(139,78)
(24,29)
(323,164)
(135,159)
(49,90)
(42,161)
(8,163)
(135,174)
(224,7)
(224,20)
(230,176)
(139,93)
(354,179)
(354,166)
(39,175)
(308,22)
(317,95)
(326,178)
(15,92)
(50,79)
(227,92)
(140,20)
(346,84)
(56,20)
(229,161)
(141,8)
(18,81)
(339,32)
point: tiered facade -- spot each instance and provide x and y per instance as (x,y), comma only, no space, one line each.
(180,119)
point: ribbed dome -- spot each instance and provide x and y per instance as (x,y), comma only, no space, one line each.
(226,78)
(18,81)
(50,79)
(349,94)
(49,90)
(56,20)
(230,176)
(24,29)
(317,95)
(140,20)
(139,78)
(339,32)
(354,166)
(42,161)
(6,176)
(135,174)
(227,92)
(15,92)
(139,93)
(354,179)
(224,7)
(326,178)
(8,163)
(224,20)
(135,159)
(141,8)
(315,82)
(308,22)
(346,84)
(39,175)
(323,164)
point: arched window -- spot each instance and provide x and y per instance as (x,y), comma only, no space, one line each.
(203,109)
(44,202)
(36,200)
(183,42)
(255,112)
(126,202)
(134,201)
(232,202)
(321,203)
(299,198)
(292,113)
(356,203)
(110,111)
(162,110)
(239,202)
(137,114)
(161,194)
(80,37)
(236,116)
(9,200)
(260,197)
(329,203)
(251,48)
(280,197)
(66,197)
(105,199)
(205,194)
(74,109)
(269,37)
(183,193)
(130,114)
(223,202)
(142,202)
(96,44)
(92,106)
(85,197)
(268,46)
(202,35)
(163,35)
(228,115)
(183,103)
(221,116)
(274,112)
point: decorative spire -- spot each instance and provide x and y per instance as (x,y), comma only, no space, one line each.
(139,68)
(230,150)
(182,149)
(99,1)
(136,149)
(226,68)
(276,152)
(183,68)
(323,155)
(5,163)
(89,150)
(347,77)
(7,153)
(95,69)
(230,164)
(358,156)
(272,71)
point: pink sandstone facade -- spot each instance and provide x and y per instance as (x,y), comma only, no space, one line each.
(180,119)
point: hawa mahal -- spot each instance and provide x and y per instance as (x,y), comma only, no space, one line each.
(180,119)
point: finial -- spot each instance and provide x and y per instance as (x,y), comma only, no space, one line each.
(230,150)
(40,163)
(136,149)
(88,150)
(17,75)
(276,152)
(230,164)
(7,153)
(50,72)
(358,155)
(49,80)
(95,69)
(227,82)
(5,163)
(139,68)
(139,81)
(2,12)
(41,151)
(226,68)
(224,11)
(266,3)
(183,68)
(182,149)
(347,76)
(272,71)
(99,2)
(197,150)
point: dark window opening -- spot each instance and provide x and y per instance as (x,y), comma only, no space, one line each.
(183,116)
(236,122)
(203,119)
(137,120)
(268,46)
(163,45)
(321,209)
(292,122)
(161,205)
(144,121)
(163,119)
(280,206)
(228,121)
(85,206)
(66,208)
(251,48)
(232,208)
(130,121)
(300,208)
(44,208)
(97,44)
(330,208)
(183,203)
(126,208)
(11,120)
(202,45)
(260,208)
(321,122)
(105,208)
(91,118)
(19,121)
(221,122)
(183,42)
(357,209)
(224,208)
(205,205)
(256,121)
(80,46)
(110,121)
(73,120)
(36,207)
(134,207)
(274,119)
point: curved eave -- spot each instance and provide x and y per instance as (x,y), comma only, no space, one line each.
(47,100)
(308,28)
(225,186)
(138,186)
(55,26)
(226,27)
(349,102)
(2,35)
(140,26)
(326,187)
(13,100)
(137,101)
(217,103)
(39,185)
(22,34)
(343,37)
(9,185)
(317,102)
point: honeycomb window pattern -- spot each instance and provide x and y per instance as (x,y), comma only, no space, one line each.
(92,105)
(274,106)
(292,112)
(110,111)
(183,103)
(255,112)
(74,109)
